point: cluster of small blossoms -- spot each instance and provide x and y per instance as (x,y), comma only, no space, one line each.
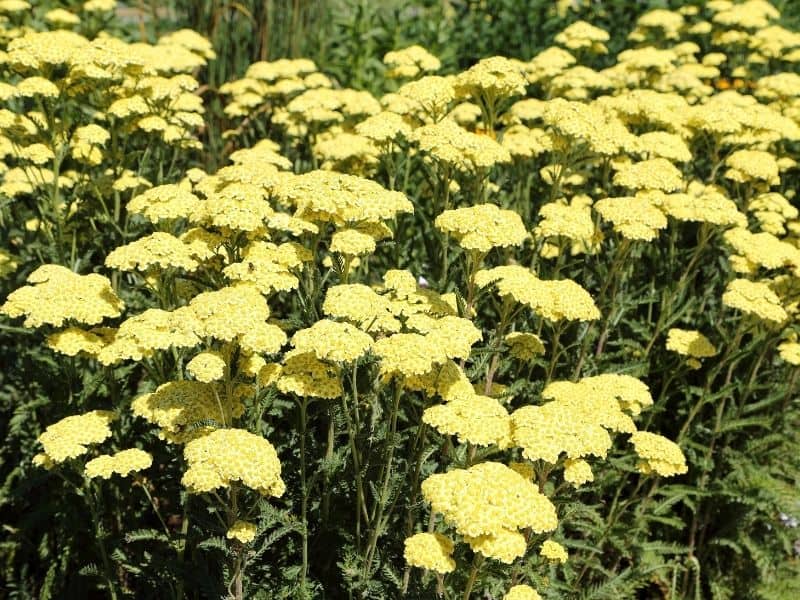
(432,551)
(658,454)
(71,436)
(483,227)
(554,300)
(57,295)
(109,87)
(410,62)
(243,531)
(691,344)
(522,592)
(488,504)
(176,407)
(122,463)
(226,456)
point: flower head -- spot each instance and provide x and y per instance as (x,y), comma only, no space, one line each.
(504,545)
(432,551)
(333,341)
(410,62)
(225,456)
(476,419)
(689,343)
(483,227)
(243,531)
(123,463)
(487,499)
(56,294)
(658,454)
(554,551)
(70,437)
(756,298)
(522,592)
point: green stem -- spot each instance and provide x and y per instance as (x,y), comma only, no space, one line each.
(377,525)
(303,425)
(92,501)
(326,496)
(477,561)
(361,507)
(704,235)
(182,547)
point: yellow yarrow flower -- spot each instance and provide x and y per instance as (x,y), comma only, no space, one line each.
(578,419)
(384,127)
(545,432)
(162,202)
(476,419)
(448,381)
(523,142)
(306,375)
(553,300)
(74,340)
(337,197)
(352,242)
(634,218)
(572,221)
(38,154)
(158,249)
(237,206)
(704,205)
(154,329)
(522,592)
(582,35)
(99,5)
(601,130)
(8,264)
(504,545)
(658,454)
(408,354)
(232,312)
(36,86)
(662,144)
(207,367)
(689,343)
(524,346)
(427,98)
(633,395)
(432,551)
(70,437)
(333,341)
(224,456)
(450,144)
(454,335)
(752,165)
(360,304)
(756,298)
(270,267)
(652,174)
(483,227)
(410,62)
(763,249)
(493,77)
(487,499)
(243,531)
(577,472)
(790,352)
(178,406)
(123,463)
(56,295)
(554,551)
